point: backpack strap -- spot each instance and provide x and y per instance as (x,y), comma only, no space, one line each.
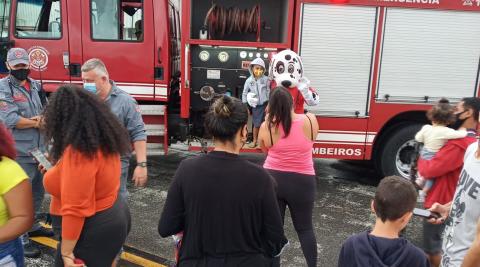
(271,136)
(311,127)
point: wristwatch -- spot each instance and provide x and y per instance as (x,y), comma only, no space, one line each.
(142,164)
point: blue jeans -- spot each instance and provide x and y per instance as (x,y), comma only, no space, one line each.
(11,254)
(427,155)
(38,192)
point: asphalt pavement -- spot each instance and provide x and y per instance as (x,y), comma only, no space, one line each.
(342,208)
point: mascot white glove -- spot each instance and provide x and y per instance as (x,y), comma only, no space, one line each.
(311,98)
(303,86)
(252,99)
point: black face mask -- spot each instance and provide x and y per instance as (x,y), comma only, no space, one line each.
(21,74)
(458,122)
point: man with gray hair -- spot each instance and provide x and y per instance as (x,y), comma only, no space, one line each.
(96,80)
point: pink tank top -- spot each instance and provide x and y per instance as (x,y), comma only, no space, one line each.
(292,153)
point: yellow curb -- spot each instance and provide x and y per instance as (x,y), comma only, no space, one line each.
(48,226)
(45,241)
(140,261)
(52,243)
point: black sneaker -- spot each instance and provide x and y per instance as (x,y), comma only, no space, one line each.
(30,250)
(41,232)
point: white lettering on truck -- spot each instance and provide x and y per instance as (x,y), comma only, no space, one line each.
(430,2)
(330,151)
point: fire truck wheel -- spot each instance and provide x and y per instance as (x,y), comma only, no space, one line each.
(397,151)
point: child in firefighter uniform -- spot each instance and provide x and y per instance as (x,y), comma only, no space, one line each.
(256,92)
(286,69)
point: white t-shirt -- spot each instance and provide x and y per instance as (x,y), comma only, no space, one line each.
(434,137)
(462,222)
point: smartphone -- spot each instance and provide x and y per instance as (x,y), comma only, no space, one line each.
(425,214)
(40,158)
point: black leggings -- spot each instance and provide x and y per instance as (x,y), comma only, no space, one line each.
(102,236)
(297,191)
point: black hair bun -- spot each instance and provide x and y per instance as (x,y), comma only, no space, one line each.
(222,107)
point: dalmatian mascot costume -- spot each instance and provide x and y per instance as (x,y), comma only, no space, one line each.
(286,69)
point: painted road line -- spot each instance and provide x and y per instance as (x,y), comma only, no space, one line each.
(52,243)
(139,260)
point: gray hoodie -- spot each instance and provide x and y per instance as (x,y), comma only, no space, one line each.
(260,86)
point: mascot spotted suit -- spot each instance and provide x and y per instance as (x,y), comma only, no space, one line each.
(286,69)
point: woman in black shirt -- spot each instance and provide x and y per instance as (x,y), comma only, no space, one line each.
(225,205)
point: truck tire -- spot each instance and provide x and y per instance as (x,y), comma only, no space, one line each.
(397,150)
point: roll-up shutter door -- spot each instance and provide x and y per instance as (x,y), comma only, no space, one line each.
(429,53)
(336,44)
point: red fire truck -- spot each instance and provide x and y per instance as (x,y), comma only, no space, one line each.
(376,64)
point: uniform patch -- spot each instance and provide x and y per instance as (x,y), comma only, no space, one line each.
(19,97)
(138,109)
(3,106)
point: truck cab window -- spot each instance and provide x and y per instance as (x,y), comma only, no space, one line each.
(117,20)
(38,19)
(4,26)
(4,17)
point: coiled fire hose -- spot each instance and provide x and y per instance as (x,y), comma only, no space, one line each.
(220,20)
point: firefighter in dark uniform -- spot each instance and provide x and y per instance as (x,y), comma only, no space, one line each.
(21,104)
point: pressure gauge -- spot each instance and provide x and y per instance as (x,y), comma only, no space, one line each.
(259,55)
(223,56)
(243,54)
(250,54)
(204,56)
(265,55)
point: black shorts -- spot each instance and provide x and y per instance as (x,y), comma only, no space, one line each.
(432,238)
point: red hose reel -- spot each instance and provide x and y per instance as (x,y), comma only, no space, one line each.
(220,21)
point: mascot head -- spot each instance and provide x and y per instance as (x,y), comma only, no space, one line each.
(286,68)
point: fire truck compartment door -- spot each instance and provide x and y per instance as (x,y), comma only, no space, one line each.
(336,49)
(429,53)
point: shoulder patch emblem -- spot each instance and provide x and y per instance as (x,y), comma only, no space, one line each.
(3,106)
